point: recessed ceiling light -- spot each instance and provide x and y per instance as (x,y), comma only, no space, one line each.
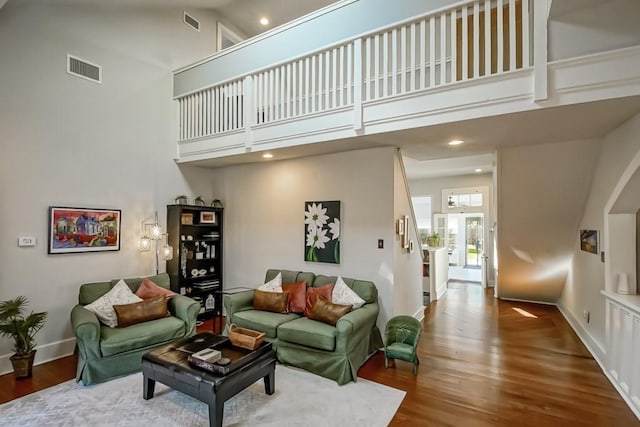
(456,142)
(267,156)
(264,20)
(478,170)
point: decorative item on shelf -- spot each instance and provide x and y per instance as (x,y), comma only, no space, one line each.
(153,232)
(199,201)
(210,302)
(181,200)
(216,203)
(623,284)
(433,240)
(186,219)
(207,217)
(22,329)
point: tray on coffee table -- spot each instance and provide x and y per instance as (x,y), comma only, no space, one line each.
(238,357)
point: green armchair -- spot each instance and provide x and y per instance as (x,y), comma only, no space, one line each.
(105,352)
(401,340)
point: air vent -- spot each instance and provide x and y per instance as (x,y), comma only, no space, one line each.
(191,21)
(81,68)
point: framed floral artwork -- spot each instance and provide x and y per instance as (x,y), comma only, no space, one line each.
(322,232)
(83,230)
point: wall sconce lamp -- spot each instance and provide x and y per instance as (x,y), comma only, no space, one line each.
(153,232)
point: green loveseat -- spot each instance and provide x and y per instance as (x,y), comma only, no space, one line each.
(334,352)
(105,352)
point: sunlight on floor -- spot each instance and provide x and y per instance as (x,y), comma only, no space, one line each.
(524,313)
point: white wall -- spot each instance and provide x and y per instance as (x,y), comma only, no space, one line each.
(70,142)
(543,190)
(587,273)
(264,217)
(596,27)
(407,276)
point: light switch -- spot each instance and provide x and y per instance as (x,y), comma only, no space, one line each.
(26,241)
(380,244)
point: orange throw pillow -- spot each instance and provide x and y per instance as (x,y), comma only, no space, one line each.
(149,289)
(312,295)
(297,296)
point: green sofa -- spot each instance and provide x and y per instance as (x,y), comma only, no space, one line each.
(334,352)
(105,352)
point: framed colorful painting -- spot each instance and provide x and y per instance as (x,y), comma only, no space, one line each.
(73,230)
(322,232)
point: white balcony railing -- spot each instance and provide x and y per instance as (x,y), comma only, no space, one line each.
(467,41)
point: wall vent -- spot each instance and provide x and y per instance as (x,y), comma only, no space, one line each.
(191,21)
(81,68)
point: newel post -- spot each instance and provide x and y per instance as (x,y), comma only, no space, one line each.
(541,9)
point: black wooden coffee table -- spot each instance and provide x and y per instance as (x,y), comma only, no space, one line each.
(169,365)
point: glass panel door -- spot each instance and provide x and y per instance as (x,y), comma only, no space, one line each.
(474,242)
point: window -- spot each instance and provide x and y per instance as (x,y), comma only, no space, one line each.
(226,37)
(464,199)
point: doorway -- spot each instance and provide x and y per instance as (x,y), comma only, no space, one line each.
(465,246)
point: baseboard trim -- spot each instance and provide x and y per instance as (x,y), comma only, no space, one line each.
(45,353)
(420,313)
(527,301)
(599,354)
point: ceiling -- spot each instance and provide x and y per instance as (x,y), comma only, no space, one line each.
(243,15)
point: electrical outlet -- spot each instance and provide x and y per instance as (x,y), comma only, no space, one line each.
(380,244)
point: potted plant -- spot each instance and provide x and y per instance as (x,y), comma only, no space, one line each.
(199,201)
(433,240)
(22,329)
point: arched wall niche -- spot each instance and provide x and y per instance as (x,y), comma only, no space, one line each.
(620,229)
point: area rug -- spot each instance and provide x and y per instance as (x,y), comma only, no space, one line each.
(301,399)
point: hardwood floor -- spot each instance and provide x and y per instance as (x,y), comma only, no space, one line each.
(488,362)
(483,363)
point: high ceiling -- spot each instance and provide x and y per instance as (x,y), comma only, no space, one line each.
(244,15)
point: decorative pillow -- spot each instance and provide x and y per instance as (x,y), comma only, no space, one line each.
(276,302)
(312,294)
(343,294)
(297,296)
(103,306)
(327,312)
(148,289)
(138,312)
(273,285)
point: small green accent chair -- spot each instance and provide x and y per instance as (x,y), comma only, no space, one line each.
(401,340)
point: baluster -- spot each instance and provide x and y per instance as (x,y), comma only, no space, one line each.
(341,74)
(385,64)
(476,39)
(313,84)
(394,61)
(327,80)
(334,82)
(403,59)
(377,58)
(443,49)
(290,90)
(512,35)
(500,37)
(412,76)
(423,54)
(487,37)
(349,72)
(308,82)
(454,47)
(465,43)
(526,38)
(432,51)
